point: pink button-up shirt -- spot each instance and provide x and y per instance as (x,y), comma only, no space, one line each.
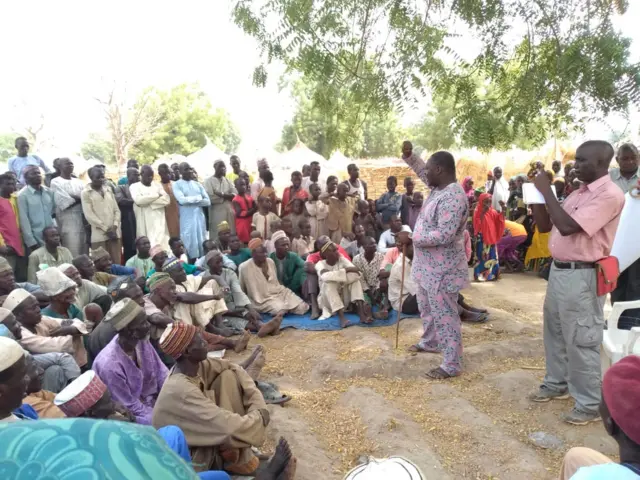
(596,208)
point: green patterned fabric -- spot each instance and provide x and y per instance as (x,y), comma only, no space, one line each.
(87,449)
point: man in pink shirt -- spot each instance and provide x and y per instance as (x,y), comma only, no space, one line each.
(582,231)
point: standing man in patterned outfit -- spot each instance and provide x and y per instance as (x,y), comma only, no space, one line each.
(439,265)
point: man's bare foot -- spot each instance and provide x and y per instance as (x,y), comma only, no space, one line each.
(271,327)
(315,312)
(343,320)
(419,349)
(364,312)
(222,331)
(255,363)
(242,342)
(289,471)
(381,315)
(278,463)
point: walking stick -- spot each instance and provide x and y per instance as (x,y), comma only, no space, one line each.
(404,259)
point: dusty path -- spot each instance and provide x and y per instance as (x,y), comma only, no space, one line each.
(355,395)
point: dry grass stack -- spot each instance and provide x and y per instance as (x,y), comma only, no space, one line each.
(376,178)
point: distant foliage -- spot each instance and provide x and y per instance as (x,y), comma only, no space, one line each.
(99,147)
(542,65)
(186,120)
(327,120)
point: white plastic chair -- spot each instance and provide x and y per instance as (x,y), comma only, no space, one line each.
(617,344)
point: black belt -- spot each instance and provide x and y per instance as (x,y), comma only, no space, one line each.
(573,265)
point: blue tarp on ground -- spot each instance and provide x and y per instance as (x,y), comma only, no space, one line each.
(304,322)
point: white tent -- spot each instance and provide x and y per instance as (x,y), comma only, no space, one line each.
(298,156)
(202,160)
(169,160)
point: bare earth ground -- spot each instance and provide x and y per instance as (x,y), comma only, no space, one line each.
(355,395)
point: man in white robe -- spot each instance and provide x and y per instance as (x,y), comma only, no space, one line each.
(150,201)
(340,286)
(67,190)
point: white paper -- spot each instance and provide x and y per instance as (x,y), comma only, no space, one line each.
(532,196)
(626,247)
(216,354)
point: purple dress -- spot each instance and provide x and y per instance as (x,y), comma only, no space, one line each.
(135,388)
(440,268)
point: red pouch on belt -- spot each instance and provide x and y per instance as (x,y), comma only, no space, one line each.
(607,273)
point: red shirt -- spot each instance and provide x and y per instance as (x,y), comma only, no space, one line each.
(315,257)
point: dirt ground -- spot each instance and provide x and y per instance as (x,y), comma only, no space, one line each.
(355,395)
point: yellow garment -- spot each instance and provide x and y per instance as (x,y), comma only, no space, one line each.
(232,176)
(539,246)
(42,403)
(516,229)
(13,200)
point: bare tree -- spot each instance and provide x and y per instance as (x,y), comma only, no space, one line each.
(128,125)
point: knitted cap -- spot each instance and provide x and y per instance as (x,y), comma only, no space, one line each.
(158,279)
(53,282)
(15,298)
(4,265)
(10,353)
(171,262)
(176,338)
(122,313)
(255,243)
(98,254)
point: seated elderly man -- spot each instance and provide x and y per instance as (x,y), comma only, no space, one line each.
(259,279)
(196,304)
(311,288)
(289,266)
(58,369)
(102,261)
(408,303)
(129,365)
(157,305)
(8,284)
(87,269)
(87,291)
(369,263)
(13,369)
(215,403)
(240,315)
(51,253)
(42,334)
(340,286)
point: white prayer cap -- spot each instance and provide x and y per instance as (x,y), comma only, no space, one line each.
(4,313)
(65,266)
(15,298)
(10,353)
(53,282)
(405,228)
(81,394)
(396,468)
(275,236)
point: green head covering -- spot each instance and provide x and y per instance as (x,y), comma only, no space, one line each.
(157,279)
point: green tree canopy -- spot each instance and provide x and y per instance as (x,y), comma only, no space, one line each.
(7,146)
(547,63)
(100,147)
(186,119)
(326,121)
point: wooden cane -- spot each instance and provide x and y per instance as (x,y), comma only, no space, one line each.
(404,258)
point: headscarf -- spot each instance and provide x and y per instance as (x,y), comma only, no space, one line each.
(176,338)
(491,224)
(466,184)
(223,226)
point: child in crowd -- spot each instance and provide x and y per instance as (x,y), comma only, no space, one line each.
(244,208)
(297,212)
(303,242)
(317,211)
(264,217)
(341,208)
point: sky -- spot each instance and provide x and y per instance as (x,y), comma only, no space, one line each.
(59,56)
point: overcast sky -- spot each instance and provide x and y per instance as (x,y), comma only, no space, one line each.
(58,56)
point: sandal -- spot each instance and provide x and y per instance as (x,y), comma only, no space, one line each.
(438,374)
(271,394)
